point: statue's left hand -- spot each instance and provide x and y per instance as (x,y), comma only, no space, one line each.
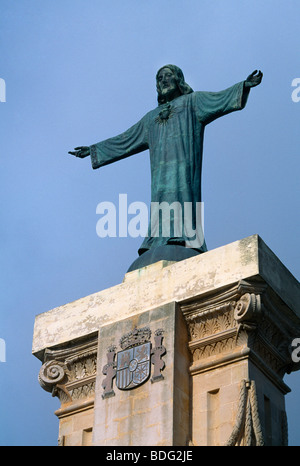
(254,79)
(81,152)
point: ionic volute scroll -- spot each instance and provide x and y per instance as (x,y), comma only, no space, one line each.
(248,312)
(53,375)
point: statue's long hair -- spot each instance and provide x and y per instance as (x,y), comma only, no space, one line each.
(182,85)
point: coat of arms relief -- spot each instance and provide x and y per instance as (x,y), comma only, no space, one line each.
(131,366)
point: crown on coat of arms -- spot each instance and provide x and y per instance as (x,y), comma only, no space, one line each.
(135,337)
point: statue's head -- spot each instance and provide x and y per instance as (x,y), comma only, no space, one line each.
(170,84)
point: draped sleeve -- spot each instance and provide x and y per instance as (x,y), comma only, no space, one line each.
(209,106)
(132,141)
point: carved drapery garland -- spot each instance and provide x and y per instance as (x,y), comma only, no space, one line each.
(70,374)
(247,428)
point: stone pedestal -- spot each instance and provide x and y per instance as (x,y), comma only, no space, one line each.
(186,353)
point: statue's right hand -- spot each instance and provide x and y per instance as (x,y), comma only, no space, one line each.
(81,152)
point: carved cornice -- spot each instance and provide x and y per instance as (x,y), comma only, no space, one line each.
(70,372)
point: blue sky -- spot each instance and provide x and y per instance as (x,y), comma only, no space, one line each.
(78,72)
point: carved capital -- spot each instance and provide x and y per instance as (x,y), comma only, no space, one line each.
(246,320)
(53,373)
(70,372)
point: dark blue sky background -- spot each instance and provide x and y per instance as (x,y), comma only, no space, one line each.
(77,72)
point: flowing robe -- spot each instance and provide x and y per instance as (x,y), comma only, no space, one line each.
(173,133)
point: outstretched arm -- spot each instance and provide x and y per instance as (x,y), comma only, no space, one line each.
(212,105)
(130,142)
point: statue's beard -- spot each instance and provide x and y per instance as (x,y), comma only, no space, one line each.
(169,94)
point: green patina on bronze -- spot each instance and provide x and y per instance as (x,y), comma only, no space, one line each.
(173,132)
